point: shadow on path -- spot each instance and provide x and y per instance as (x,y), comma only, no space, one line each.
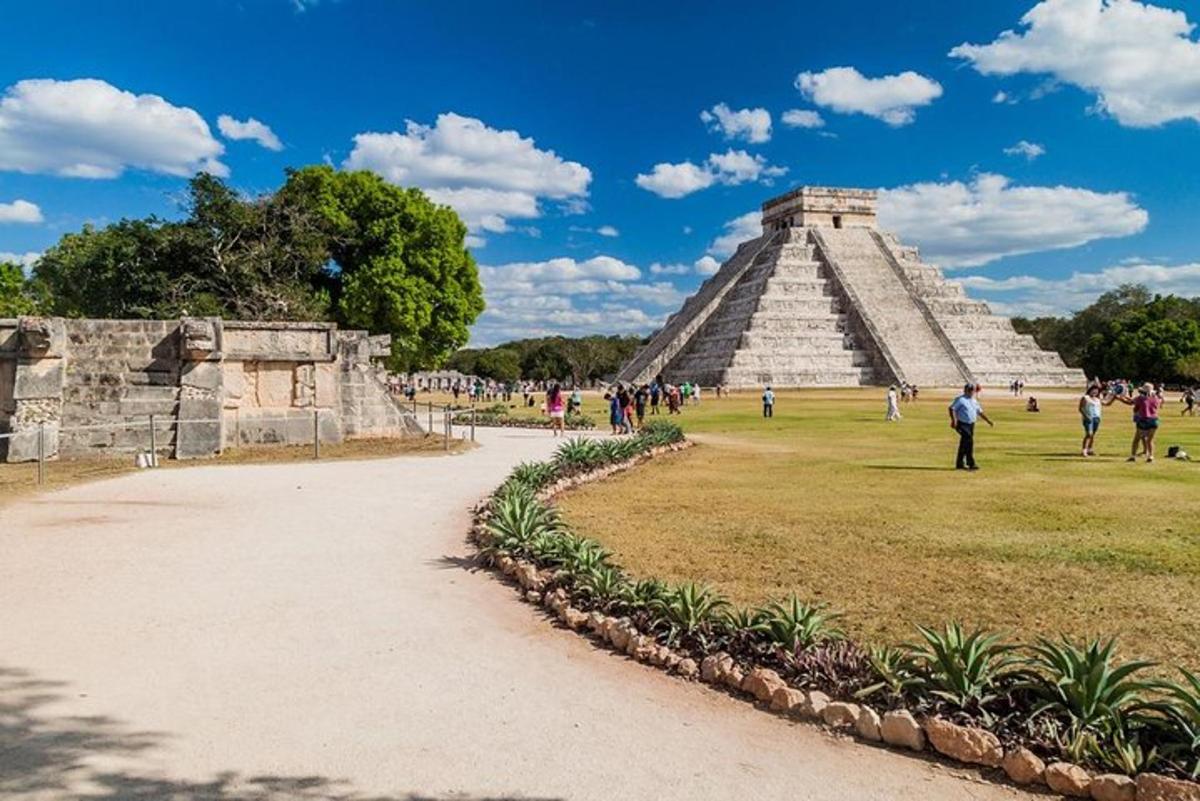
(65,757)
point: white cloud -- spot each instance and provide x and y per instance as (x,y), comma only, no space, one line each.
(564,296)
(738,230)
(91,129)
(1034,296)
(1139,60)
(1030,150)
(249,129)
(1003,98)
(731,168)
(670,269)
(20,211)
(892,98)
(970,224)
(749,124)
(26,260)
(706,265)
(802,118)
(487,175)
(608,230)
(676,180)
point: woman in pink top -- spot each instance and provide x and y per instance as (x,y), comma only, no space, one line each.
(1145,418)
(555,407)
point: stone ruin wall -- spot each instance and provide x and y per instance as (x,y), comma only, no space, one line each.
(210,384)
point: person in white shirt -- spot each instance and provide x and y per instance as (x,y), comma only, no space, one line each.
(893,405)
(768,399)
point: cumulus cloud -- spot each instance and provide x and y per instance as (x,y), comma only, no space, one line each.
(730,168)
(250,129)
(20,211)
(735,232)
(1138,60)
(802,118)
(602,294)
(1030,150)
(749,124)
(26,259)
(961,224)
(891,98)
(608,230)
(706,265)
(487,175)
(91,129)
(1033,296)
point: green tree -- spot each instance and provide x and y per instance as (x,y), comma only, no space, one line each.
(402,266)
(501,364)
(16,296)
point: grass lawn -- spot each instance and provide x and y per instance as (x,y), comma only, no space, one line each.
(829,501)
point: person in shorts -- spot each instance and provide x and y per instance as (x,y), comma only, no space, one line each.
(1145,420)
(556,408)
(1090,409)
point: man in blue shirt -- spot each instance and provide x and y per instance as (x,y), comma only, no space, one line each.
(768,403)
(964,410)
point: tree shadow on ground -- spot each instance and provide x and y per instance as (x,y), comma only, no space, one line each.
(926,468)
(47,756)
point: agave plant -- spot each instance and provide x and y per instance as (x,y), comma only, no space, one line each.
(689,610)
(1181,710)
(534,475)
(1120,746)
(1083,683)
(604,584)
(962,668)
(642,594)
(896,672)
(579,453)
(518,518)
(660,432)
(793,624)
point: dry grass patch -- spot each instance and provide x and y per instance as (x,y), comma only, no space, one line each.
(829,501)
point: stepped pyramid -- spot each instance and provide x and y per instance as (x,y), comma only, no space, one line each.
(823,298)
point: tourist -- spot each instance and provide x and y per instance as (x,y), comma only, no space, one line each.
(1145,420)
(893,405)
(614,410)
(964,411)
(624,425)
(1090,413)
(554,407)
(695,394)
(655,394)
(1031,405)
(639,403)
(576,405)
(629,409)
(1189,398)
(905,392)
(768,399)
(916,391)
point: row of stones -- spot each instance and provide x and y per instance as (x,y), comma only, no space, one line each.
(898,727)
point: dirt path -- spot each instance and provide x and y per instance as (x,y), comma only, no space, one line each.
(309,631)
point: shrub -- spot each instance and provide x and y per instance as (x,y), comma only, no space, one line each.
(1181,709)
(1082,683)
(793,624)
(603,584)
(518,518)
(962,669)
(837,666)
(661,432)
(896,675)
(689,610)
(579,454)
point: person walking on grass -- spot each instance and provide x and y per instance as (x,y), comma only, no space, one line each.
(1189,399)
(614,410)
(1145,420)
(1090,407)
(893,405)
(555,407)
(639,403)
(768,399)
(964,411)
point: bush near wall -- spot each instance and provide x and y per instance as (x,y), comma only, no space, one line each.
(1068,714)
(497,416)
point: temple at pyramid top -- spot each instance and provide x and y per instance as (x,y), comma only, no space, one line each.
(820,206)
(822,297)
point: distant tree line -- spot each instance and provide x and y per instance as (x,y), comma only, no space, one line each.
(1126,333)
(581,359)
(327,245)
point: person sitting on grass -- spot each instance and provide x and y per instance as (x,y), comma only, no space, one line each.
(964,411)
(1145,420)
(1031,405)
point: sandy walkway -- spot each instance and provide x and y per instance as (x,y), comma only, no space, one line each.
(308,631)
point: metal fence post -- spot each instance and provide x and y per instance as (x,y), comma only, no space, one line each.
(316,433)
(446,431)
(472,424)
(41,474)
(153,445)
(430,417)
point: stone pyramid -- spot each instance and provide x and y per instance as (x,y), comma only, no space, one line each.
(823,298)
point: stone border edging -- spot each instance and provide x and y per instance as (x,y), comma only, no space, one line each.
(898,728)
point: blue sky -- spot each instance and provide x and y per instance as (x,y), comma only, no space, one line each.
(607,155)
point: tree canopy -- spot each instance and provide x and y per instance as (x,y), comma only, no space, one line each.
(580,359)
(16,295)
(1127,333)
(342,246)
